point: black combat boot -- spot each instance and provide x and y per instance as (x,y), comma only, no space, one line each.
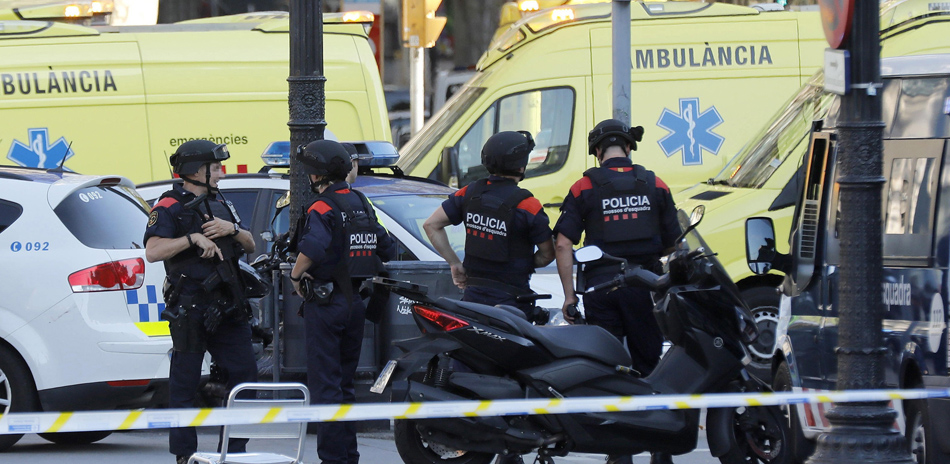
(661,458)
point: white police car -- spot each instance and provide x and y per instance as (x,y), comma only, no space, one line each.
(79,303)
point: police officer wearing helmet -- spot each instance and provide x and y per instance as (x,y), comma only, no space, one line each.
(341,245)
(199,237)
(503,225)
(629,213)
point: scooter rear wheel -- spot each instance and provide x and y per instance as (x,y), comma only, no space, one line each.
(760,435)
(414,449)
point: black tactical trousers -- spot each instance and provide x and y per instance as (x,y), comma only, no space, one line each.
(627,313)
(334,333)
(230,348)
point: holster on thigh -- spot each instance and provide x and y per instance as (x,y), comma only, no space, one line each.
(186,325)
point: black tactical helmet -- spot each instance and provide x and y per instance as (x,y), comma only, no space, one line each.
(351,149)
(507,152)
(613,132)
(325,158)
(191,155)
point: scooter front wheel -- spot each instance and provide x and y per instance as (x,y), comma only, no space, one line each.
(414,449)
(759,435)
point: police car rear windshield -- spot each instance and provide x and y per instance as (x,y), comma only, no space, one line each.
(105,217)
(411,211)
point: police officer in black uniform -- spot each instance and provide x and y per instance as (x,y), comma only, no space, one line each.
(629,213)
(199,237)
(341,245)
(503,225)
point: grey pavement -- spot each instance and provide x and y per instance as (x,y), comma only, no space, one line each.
(151,446)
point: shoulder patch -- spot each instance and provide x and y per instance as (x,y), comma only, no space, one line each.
(661,184)
(166,202)
(580,186)
(531,205)
(461,192)
(152,218)
(320,207)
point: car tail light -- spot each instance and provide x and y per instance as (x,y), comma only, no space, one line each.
(127,274)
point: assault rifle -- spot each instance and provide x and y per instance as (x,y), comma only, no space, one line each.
(227,273)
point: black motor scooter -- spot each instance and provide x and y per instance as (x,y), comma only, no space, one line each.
(471,351)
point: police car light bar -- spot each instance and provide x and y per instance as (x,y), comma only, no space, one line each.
(369,154)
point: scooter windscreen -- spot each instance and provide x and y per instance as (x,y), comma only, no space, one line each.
(693,241)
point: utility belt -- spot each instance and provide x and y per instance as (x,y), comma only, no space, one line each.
(496,285)
(319,294)
(192,318)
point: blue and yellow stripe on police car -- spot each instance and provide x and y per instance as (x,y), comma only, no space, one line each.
(145,307)
(48,422)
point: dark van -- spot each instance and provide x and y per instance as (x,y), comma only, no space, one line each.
(916,254)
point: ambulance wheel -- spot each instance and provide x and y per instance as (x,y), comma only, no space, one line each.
(76,438)
(414,449)
(17,391)
(763,302)
(920,439)
(801,447)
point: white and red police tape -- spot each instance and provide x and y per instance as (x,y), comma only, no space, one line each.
(15,423)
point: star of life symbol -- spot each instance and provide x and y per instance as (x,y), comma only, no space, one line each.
(38,152)
(691,131)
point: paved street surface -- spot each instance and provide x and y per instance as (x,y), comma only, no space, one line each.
(151,447)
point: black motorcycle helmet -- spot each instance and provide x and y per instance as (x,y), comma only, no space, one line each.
(506,153)
(191,155)
(327,159)
(612,132)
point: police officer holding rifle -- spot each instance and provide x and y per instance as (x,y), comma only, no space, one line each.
(199,237)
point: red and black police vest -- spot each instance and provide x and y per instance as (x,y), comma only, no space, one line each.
(359,232)
(627,210)
(489,211)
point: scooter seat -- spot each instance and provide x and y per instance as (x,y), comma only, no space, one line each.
(588,341)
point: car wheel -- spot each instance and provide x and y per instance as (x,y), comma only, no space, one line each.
(920,439)
(76,438)
(414,449)
(801,447)
(763,302)
(17,390)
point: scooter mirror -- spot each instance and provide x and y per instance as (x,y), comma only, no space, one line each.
(588,254)
(283,201)
(697,215)
(260,259)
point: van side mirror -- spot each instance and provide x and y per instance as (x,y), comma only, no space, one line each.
(450,166)
(760,244)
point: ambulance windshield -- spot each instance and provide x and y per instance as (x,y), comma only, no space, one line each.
(423,142)
(785,135)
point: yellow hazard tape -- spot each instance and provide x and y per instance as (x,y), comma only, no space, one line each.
(163,418)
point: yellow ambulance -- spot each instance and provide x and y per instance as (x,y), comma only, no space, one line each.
(764,178)
(85,12)
(704,77)
(120,100)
